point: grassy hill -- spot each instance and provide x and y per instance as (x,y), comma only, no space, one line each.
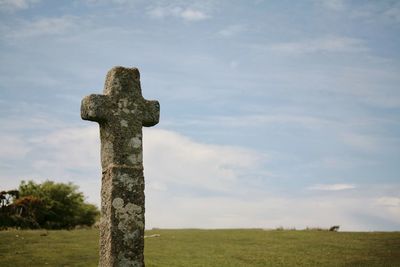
(208,248)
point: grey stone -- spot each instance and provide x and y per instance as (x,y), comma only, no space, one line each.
(121,112)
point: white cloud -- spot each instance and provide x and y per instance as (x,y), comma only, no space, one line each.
(351,213)
(192,184)
(171,158)
(232,30)
(187,14)
(332,187)
(19,29)
(13,5)
(67,148)
(13,147)
(322,44)
(389,202)
(193,15)
(63,155)
(336,5)
(73,154)
(44,26)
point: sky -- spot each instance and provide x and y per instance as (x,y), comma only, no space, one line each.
(273,113)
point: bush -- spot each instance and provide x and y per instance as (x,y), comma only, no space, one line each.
(48,205)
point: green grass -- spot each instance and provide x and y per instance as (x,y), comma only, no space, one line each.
(208,248)
(52,248)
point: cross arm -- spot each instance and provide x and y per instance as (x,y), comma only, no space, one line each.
(151,113)
(94,107)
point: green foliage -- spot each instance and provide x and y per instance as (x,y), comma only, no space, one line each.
(211,248)
(49,205)
(29,212)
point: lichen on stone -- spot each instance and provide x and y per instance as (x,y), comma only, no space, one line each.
(126,181)
(129,216)
(136,141)
(124,123)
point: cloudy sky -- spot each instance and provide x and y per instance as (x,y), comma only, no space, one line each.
(273,113)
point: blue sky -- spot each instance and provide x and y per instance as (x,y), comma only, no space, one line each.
(273,113)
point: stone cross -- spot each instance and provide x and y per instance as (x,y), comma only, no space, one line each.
(121,112)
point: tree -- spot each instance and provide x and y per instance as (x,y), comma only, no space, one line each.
(50,205)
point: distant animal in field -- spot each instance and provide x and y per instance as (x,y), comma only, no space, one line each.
(334,228)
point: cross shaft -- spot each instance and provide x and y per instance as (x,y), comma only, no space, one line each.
(121,112)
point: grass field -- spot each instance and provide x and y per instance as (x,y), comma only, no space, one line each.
(208,248)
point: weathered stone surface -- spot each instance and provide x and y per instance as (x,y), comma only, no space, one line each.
(121,112)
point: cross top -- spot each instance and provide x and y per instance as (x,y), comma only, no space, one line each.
(121,112)
(122,82)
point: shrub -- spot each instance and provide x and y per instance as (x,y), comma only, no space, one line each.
(47,205)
